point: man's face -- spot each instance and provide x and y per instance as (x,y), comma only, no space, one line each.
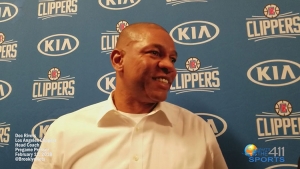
(149,65)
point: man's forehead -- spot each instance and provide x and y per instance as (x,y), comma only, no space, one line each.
(139,32)
(146,36)
(136,36)
(139,26)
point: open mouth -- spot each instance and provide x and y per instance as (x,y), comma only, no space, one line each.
(161,80)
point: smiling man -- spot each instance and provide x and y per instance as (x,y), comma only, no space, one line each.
(144,60)
(134,128)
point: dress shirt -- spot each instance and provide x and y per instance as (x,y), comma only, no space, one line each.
(99,137)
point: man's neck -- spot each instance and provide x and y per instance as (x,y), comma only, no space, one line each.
(130,104)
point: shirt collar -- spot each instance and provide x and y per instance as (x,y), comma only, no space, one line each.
(162,110)
(107,107)
(109,111)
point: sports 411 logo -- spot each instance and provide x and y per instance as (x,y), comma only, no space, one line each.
(265,155)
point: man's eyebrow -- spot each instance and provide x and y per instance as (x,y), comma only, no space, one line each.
(161,47)
(176,53)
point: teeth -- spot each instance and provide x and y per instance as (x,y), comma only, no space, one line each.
(162,80)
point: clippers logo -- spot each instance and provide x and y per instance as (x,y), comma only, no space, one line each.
(121,25)
(2,38)
(204,79)
(270,127)
(283,108)
(58,45)
(274,73)
(271,11)
(192,64)
(118,4)
(8,49)
(178,2)
(194,32)
(39,130)
(4,134)
(7,11)
(217,124)
(273,24)
(5,89)
(279,166)
(54,74)
(109,38)
(56,8)
(53,87)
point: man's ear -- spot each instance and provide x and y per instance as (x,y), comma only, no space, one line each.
(116,59)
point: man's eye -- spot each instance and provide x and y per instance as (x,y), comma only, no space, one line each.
(155,53)
(173,60)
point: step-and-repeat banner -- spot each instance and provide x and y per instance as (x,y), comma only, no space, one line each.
(238,68)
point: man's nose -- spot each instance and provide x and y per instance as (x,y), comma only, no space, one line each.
(167,65)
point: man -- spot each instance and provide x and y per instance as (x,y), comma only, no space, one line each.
(134,128)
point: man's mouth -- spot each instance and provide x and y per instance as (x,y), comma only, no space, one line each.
(161,80)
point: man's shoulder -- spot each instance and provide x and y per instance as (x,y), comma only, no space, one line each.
(89,108)
(170,106)
(180,111)
(85,113)
(185,118)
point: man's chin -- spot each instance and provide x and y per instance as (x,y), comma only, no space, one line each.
(159,97)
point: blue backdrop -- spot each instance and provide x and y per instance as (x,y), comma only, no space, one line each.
(238,68)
